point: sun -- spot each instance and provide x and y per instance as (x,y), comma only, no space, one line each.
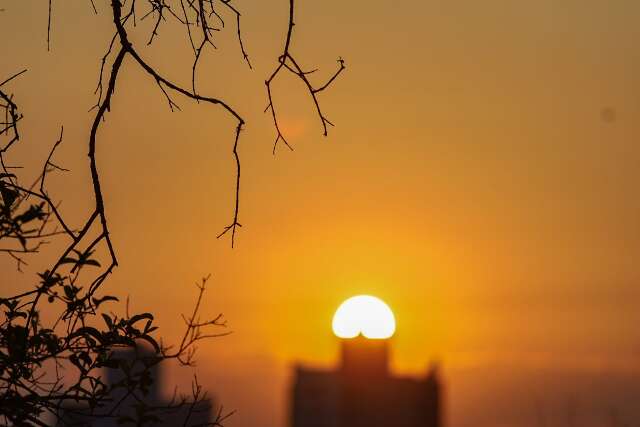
(364,315)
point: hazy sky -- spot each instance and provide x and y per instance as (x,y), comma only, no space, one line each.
(481,179)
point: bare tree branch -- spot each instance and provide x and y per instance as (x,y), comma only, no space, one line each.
(286,61)
(35,354)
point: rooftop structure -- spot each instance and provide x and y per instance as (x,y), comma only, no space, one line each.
(361,391)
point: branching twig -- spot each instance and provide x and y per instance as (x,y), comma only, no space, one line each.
(283,64)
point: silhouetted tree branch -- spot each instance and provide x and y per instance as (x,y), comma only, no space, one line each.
(287,61)
(36,356)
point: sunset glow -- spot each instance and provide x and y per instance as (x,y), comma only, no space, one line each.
(472,174)
(364,315)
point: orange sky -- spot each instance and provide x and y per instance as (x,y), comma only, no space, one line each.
(471,182)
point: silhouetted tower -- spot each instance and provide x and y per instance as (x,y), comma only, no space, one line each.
(362,392)
(363,358)
(364,376)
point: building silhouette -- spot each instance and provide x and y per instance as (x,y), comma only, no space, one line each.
(361,392)
(165,412)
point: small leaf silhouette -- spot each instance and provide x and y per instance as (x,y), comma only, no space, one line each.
(141,316)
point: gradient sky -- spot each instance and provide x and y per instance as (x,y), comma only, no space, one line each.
(472,182)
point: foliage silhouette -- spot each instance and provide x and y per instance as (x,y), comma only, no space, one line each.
(49,367)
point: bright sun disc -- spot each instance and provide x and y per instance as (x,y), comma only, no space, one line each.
(366,315)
